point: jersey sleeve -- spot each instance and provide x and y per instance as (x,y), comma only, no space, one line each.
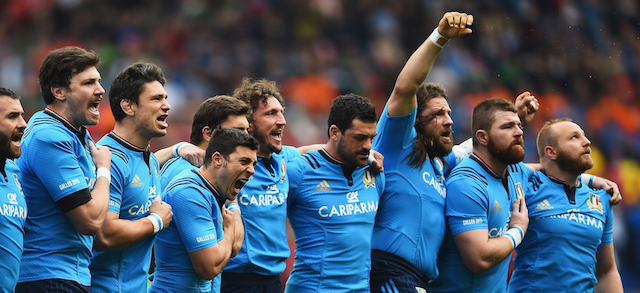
(195,217)
(607,236)
(290,153)
(520,173)
(294,172)
(394,129)
(466,205)
(119,180)
(53,160)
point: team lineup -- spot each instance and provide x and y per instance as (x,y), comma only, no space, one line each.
(387,204)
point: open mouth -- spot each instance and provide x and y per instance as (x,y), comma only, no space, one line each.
(237,186)
(277,135)
(16,138)
(162,121)
(94,108)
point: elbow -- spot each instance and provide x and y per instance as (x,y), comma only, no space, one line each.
(208,273)
(90,228)
(477,266)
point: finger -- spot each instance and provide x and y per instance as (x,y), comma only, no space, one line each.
(469,20)
(463,20)
(456,21)
(449,17)
(157,199)
(92,146)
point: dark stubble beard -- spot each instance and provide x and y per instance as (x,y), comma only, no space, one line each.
(575,165)
(510,154)
(263,137)
(5,147)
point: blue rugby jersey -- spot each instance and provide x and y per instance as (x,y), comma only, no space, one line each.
(262,202)
(13,212)
(332,210)
(55,163)
(477,198)
(197,224)
(135,183)
(172,168)
(566,228)
(410,221)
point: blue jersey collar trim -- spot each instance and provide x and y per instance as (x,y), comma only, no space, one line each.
(486,167)
(125,143)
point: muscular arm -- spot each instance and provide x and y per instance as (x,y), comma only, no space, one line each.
(193,154)
(88,217)
(209,262)
(403,98)
(607,271)
(119,233)
(479,252)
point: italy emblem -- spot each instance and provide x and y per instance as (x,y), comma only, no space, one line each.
(594,202)
(368,180)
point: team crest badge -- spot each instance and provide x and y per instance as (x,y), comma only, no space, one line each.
(368,180)
(283,170)
(421,290)
(519,191)
(15,176)
(594,202)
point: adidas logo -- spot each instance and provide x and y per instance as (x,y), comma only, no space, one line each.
(496,207)
(323,186)
(136,182)
(544,205)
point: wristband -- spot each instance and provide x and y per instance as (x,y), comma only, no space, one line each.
(435,37)
(587,179)
(232,206)
(104,172)
(156,221)
(371,157)
(516,234)
(176,149)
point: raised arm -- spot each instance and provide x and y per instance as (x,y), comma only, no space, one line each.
(403,98)
(192,153)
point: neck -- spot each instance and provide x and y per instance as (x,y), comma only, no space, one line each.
(496,165)
(553,170)
(264,151)
(62,110)
(207,173)
(332,149)
(130,134)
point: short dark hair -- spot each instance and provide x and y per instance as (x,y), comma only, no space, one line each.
(484,114)
(225,141)
(348,107)
(60,65)
(213,112)
(254,92)
(423,145)
(129,84)
(9,93)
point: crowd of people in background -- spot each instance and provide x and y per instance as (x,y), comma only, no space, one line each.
(580,57)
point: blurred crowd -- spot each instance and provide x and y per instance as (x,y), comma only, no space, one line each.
(579,58)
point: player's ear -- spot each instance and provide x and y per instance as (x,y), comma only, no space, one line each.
(550,152)
(482,137)
(217,159)
(334,132)
(206,133)
(58,93)
(127,107)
